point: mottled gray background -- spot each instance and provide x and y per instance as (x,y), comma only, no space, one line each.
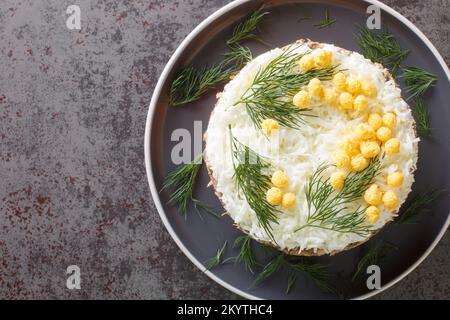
(73,188)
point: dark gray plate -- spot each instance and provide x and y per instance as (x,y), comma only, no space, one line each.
(199,239)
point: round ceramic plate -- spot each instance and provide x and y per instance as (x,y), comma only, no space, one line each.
(200,238)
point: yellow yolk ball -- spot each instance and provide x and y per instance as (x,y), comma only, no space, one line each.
(359,163)
(323,58)
(384,134)
(360,104)
(337,180)
(390,200)
(369,149)
(315,87)
(372,214)
(341,159)
(368,89)
(392,146)
(373,195)
(279,179)
(363,131)
(389,120)
(330,96)
(306,62)
(269,126)
(394,179)
(301,99)
(340,81)
(351,145)
(274,196)
(288,200)
(375,121)
(353,86)
(346,101)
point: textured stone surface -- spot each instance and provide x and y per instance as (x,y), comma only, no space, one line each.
(73,188)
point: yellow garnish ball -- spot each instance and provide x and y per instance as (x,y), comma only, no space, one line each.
(337,180)
(375,121)
(389,120)
(368,89)
(288,200)
(341,159)
(340,81)
(359,163)
(330,96)
(346,101)
(274,196)
(315,87)
(351,145)
(279,179)
(392,146)
(269,126)
(306,62)
(372,214)
(364,132)
(353,86)
(384,134)
(390,200)
(323,58)
(360,104)
(301,99)
(394,179)
(373,195)
(370,149)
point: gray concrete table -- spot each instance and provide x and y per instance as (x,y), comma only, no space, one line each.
(73,188)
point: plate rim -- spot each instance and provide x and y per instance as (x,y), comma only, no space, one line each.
(148,154)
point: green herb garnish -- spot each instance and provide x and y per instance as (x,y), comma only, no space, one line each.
(246,254)
(316,272)
(252,182)
(217,259)
(180,183)
(418,81)
(374,255)
(327,208)
(418,207)
(422,118)
(381,47)
(191,83)
(271,92)
(327,22)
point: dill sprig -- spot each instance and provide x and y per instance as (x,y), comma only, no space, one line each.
(270,94)
(253,183)
(191,83)
(381,47)
(418,207)
(246,29)
(246,254)
(418,81)
(327,208)
(327,22)
(374,255)
(180,183)
(422,118)
(316,272)
(217,259)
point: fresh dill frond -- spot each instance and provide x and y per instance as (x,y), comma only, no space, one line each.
(253,183)
(422,118)
(374,255)
(418,207)
(418,81)
(327,209)
(246,254)
(190,84)
(217,259)
(245,30)
(316,272)
(381,47)
(327,22)
(180,183)
(270,94)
